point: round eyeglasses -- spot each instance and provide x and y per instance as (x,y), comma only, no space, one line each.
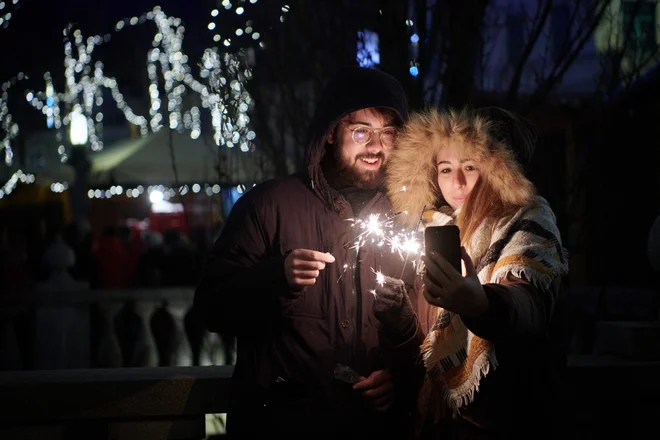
(362,135)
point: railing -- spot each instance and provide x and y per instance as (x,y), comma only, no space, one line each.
(76,340)
(106,329)
(605,398)
(156,327)
(121,403)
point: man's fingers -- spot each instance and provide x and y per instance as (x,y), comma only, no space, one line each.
(375,380)
(306,274)
(380,391)
(362,384)
(301,282)
(384,403)
(299,264)
(384,408)
(308,254)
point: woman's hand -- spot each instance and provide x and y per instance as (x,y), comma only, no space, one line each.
(446,288)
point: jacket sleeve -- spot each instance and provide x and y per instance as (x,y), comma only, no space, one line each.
(243,279)
(516,310)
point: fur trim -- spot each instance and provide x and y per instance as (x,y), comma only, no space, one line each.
(412,172)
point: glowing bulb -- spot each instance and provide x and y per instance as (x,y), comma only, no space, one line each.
(79,132)
(156,196)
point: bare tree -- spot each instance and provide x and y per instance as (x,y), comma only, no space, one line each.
(303,43)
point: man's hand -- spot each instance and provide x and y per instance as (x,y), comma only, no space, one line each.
(379,388)
(303,266)
(446,288)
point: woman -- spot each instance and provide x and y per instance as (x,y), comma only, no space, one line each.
(488,351)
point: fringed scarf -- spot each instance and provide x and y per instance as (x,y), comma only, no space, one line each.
(526,245)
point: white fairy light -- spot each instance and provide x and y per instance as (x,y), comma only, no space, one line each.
(86,80)
(155,193)
(5,14)
(9,128)
(18,176)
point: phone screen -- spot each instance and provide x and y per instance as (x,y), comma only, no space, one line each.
(446,241)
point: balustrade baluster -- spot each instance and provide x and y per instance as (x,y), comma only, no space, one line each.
(145,353)
(182,355)
(61,327)
(109,352)
(9,345)
(212,351)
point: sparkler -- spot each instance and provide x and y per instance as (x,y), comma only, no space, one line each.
(380,279)
(384,233)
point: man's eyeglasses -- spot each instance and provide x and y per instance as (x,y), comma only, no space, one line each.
(362,135)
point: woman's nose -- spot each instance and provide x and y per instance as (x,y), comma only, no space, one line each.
(459,181)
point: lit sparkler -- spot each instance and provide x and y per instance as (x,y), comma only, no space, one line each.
(384,233)
(380,279)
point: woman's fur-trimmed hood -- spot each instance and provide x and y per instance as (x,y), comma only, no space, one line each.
(412,170)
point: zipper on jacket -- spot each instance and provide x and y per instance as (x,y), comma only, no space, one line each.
(356,297)
(357,304)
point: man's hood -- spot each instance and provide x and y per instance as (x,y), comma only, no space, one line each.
(352,89)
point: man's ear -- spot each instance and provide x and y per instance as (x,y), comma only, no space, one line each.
(331,137)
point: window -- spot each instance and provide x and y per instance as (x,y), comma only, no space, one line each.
(368,54)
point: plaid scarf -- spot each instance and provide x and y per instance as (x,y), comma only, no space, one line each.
(525,245)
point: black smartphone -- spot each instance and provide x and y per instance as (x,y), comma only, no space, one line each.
(446,241)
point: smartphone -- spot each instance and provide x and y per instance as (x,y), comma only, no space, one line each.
(446,241)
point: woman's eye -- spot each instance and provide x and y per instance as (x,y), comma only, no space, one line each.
(445,170)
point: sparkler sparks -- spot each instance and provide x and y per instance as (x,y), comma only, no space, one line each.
(384,233)
(380,278)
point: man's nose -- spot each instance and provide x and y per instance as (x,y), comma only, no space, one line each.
(374,145)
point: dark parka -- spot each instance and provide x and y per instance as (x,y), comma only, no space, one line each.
(288,345)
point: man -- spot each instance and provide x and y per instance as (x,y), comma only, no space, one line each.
(286,278)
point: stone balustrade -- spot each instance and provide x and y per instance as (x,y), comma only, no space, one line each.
(106,329)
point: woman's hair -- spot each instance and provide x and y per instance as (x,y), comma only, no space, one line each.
(483,202)
(501,189)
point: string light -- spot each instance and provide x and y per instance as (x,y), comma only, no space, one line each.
(59,187)
(175,72)
(9,127)
(5,14)
(18,176)
(241,10)
(161,191)
(225,96)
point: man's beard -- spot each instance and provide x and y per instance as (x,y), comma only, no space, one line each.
(349,174)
